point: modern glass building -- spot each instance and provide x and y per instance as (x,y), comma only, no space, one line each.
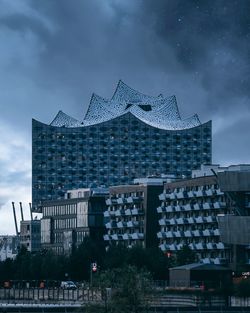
(131,135)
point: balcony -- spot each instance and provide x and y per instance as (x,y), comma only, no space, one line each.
(177,234)
(172,221)
(216,232)
(169,209)
(172,196)
(137,236)
(130,224)
(106,237)
(206,232)
(191,194)
(162,196)
(192,246)
(162,222)
(187,233)
(114,237)
(126,236)
(209,192)
(220,245)
(180,221)
(200,193)
(178,208)
(163,247)
(108,202)
(179,246)
(199,219)
(128,212)
(190,220)
(187,207)
(134,212)
(118,213)
(169,234)
(129,200)
(206,206)
(219,192)
(196,233)
(210,219)
(159,209)
(120,200)
(108,225)
(172,247)
(199,246)
(210,245)
(121,224)
(106,214)
(219,205)
(181,195)
(216,205)
(197,207)
(159,235)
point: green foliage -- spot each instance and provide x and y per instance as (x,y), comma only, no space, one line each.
(185,256)
(130,288)
(45,265)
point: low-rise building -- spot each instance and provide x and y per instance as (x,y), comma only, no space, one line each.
(130,216)
(30,234)
(65,223)
(190,209)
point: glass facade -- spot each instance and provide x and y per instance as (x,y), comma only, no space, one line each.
(111,153)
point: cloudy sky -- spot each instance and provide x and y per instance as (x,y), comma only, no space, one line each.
(55,53)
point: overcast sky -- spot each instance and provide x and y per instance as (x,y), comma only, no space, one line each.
(55,53)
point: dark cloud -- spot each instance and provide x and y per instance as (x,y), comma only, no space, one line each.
(56,53)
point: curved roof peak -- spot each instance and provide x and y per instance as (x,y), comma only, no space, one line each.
(158,111)
(124,93)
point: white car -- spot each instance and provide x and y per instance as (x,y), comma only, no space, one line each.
(68,285)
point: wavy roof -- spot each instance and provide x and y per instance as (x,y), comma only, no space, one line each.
(158,111)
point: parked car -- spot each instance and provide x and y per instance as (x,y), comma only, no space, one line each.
(68,285)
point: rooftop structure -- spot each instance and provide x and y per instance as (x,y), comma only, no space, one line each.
(129,136)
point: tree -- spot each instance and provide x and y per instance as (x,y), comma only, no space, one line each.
(130,289)
(185,256)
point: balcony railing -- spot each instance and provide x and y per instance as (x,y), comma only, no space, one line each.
(162,222)
(106,213)
(169,234)
(162,197)
(200,193)
(216,232)
(160,209)
(191,194)
(106,237)
(206,206)
(210,246)
(187,207)
(120,200)
(197,206)
(220,245)
(128,212)
(187,233)
(126,236)
(209,192)
(169,208)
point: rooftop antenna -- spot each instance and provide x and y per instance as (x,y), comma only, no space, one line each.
(14,213)
(21,209)
(31,216)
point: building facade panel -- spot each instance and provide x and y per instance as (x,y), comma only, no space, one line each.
(111,153)
(189,216)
